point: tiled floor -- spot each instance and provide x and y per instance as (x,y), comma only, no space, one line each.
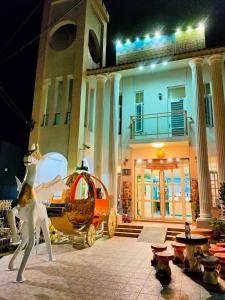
(117,268)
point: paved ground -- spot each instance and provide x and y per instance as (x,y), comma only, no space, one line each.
(117,268)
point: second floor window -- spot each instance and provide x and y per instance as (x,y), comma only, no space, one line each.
(91,110)
(208,105)
(176,121)
(139,110)
(58,99)
(69,100)
(46,95)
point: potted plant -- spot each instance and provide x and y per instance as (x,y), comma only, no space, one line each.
(222,199)
(218,227)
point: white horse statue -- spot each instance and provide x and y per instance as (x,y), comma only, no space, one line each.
(32,211)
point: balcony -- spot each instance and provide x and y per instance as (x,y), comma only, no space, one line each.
(169,125)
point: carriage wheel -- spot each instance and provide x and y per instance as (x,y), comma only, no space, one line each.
(112,222)
(91,235)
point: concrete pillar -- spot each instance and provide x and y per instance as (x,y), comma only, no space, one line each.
(99,119)
(215,62)
(205,196)
(113,137)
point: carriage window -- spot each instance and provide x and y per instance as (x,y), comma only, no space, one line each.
(82,190)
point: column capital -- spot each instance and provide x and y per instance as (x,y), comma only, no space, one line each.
(115,76)
(215,58)
(196,61)
(101,77)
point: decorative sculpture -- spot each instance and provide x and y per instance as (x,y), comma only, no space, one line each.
(31,211)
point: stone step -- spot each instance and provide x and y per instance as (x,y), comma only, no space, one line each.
(130,226)
(172,232)
(127,234)
(132,230)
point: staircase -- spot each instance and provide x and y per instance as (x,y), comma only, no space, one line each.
(172,232)
(133,231)
(127,230)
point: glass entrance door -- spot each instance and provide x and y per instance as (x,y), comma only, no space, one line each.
(163,194)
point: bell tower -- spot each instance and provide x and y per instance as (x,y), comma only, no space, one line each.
(73,40)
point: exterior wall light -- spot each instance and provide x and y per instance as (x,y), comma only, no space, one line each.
(139,161)
(149,160)
(157,145)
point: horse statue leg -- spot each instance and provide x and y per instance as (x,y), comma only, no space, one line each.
(12,224)
(37,236)
(45,229)
(30,244)
(23,243)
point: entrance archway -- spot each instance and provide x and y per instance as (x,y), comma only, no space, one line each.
(52,165)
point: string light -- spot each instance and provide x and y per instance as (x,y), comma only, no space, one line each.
(118,43)
(201,25)
(157,34)
(128,42)
(189,29)
(178,31)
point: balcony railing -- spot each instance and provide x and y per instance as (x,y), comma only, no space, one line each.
(159,125)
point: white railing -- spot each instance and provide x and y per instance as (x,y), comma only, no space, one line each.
(159,125)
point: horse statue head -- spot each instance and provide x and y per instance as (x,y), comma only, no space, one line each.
(33,156)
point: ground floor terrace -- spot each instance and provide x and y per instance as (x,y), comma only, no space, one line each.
(117,268)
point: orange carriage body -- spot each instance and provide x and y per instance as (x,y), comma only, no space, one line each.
(86,212)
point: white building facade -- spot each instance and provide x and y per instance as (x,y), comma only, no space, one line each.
(151,127)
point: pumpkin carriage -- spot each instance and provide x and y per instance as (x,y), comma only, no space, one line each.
(85,213)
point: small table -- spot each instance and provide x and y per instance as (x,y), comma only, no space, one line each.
(221,257)
(191,243)
(216,249)
(210,274)
(163,267)
(157,248)
(178,252)
(220,245)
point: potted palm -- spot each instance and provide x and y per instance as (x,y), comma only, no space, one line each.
(218,224)
(218,227)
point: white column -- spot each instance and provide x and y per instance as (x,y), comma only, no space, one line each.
(99,119)
(215,62)
(113,137)
(205,196)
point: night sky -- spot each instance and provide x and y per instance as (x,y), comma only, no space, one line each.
(128,19)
